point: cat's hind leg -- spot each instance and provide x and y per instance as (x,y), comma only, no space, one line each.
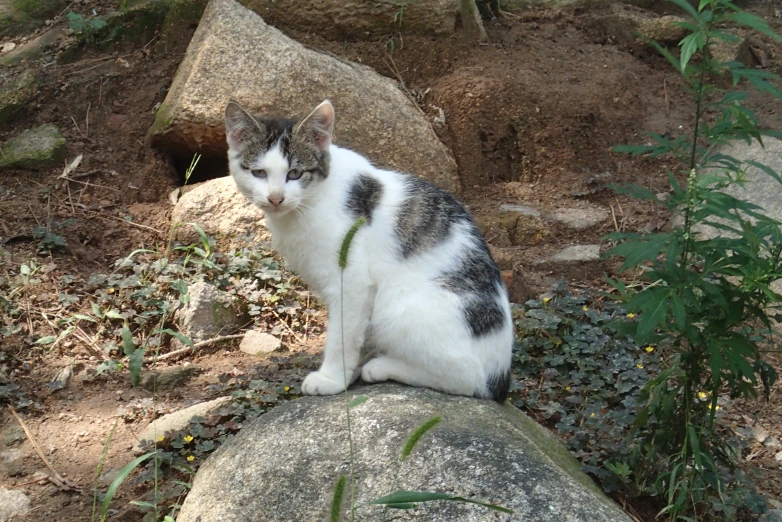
(454,375)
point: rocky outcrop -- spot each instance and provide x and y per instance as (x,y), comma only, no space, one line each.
(176,421)
(221,211)
(37,148)
(235,54)
(210,312)
(284,465)
(256,342)
(13,505)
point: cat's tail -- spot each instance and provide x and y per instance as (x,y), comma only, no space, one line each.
(498,385)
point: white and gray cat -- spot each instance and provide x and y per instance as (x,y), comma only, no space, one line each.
(422,296)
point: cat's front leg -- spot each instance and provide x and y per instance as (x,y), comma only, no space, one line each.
(348,323)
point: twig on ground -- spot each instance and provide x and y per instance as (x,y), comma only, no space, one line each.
(667,101)
(199,344)
(613,215)
(78,129)
(395,70)
(56,478)
(78,332)
(294,334)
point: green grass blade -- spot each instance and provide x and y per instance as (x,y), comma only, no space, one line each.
(127,342)
(100,468)
(181,337)
(117,482)
(419,432)
(339,496)
(403,499)
(203,236)
(361,399)
(135,362)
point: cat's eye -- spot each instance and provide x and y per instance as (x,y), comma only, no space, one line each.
(259,173)
(294,174)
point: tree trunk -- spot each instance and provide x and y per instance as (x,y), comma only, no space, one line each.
(471,20)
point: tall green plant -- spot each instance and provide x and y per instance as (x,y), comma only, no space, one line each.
(709,298)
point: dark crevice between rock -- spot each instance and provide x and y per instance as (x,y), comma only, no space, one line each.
(208,167)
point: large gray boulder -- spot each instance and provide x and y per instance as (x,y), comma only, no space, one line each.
(284,466)
(760,188)
(235,54)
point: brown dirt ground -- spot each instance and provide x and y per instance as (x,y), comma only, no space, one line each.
(530,117)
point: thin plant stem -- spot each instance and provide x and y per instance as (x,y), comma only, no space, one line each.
(347,402)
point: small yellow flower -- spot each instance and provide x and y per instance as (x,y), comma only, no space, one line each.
(630,315)
(111,290)
(546,299)
(286,388)
(639,366)
(585,308)
(649,349)
(702,395)
(717,407)
(188,438)
(190,458)
(592,415)
(161,438)
(567,388)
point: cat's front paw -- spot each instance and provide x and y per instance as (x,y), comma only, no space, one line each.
(318,383)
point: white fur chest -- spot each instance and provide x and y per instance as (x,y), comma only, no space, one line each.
(310,248)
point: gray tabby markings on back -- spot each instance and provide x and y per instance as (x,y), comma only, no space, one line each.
(426,217)
(477,280)
(364,196)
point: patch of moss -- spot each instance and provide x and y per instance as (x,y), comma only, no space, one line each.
(553,449)
(23,16)
(15,92)
(40,9)
(36,148)
(137,24)
(162,121)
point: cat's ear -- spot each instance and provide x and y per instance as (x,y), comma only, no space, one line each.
(319,125)
(239,125)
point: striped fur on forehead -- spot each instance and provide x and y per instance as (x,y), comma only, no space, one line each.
(270,131)
(296,146)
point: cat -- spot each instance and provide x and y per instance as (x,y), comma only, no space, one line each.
(423,302)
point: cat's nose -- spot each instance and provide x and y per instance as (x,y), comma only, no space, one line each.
(276,199)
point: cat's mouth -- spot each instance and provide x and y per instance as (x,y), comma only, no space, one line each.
(275,210)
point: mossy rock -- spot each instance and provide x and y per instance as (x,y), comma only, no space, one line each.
(37,148)
(137,24)
(15,92)
(142,19)
(22,16)
(183,16)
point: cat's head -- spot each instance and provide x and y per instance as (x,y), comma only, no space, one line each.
(277,163)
